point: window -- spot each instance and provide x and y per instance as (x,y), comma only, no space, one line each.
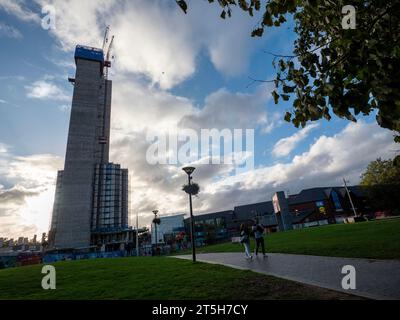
(336,201)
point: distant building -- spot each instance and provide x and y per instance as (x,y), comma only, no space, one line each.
(311,207)
(169,226)
(213,227)
(319,206)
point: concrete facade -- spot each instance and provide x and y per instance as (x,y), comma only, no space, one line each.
(281,209)
(87,147)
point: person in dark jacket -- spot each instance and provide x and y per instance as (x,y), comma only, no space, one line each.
(258,230)
(245,240)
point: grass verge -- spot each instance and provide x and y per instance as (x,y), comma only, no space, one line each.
(373,239)
(156,278)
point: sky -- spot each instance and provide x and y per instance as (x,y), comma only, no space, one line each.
(170,70)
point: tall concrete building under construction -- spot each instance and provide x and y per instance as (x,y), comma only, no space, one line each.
(91,201)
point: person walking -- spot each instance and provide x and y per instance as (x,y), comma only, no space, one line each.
(258,230)
(245,240)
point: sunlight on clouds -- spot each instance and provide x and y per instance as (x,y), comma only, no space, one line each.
(26,204)
(155,38)
(286,145)
(46,90)
(326,161)
(37,209)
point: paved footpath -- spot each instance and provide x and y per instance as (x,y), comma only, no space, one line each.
(376,279)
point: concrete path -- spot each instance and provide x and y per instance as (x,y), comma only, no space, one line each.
(376,279)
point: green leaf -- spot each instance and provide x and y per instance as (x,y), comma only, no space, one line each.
(183,5)
(276,96)
(267,20)
(257,32)
(288,89)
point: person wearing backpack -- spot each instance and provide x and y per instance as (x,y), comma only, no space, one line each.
(245,240)
(258,230)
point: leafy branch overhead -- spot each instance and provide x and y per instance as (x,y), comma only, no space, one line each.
(346,72)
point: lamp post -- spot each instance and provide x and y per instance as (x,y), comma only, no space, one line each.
(137,234)
(155,228)
(189,171)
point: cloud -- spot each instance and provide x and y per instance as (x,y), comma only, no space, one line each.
(328,159)
(64,108)
(137,107)
(79,22)
(9,31)
(19,9)
(286,145)
(44,89)
(157,186)
(15,195)
(155,39)
(224,109)
(227,41)
(3,148)
(27,186)
(3,101)
(8,78)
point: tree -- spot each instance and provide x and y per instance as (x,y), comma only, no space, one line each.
(381,172)
(333,70)
(381,182)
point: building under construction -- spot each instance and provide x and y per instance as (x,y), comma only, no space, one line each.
(91,206)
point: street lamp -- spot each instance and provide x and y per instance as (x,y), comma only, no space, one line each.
(189,171)
(155,228)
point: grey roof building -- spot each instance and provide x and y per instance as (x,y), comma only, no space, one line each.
(310,207)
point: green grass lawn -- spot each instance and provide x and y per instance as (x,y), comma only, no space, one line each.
(374,239)
(153,278)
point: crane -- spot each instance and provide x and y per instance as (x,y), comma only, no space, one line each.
(107,62)
(106,34)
